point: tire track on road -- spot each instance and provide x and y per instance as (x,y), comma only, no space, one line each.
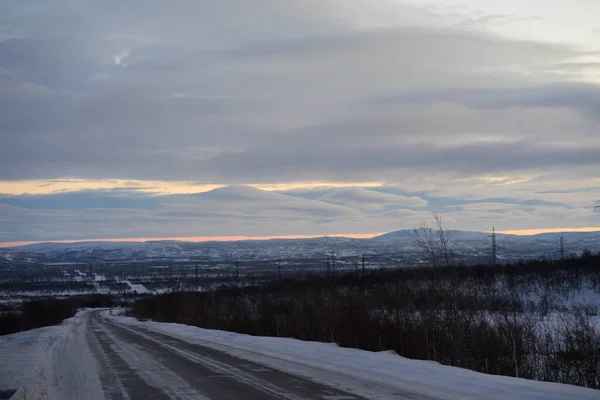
(150,369)
(271,382)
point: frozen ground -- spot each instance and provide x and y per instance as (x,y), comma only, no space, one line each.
(99,354)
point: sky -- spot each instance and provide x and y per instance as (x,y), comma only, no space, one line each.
(153,119)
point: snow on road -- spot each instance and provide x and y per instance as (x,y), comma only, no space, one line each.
(22,358)
(97,355)
(375,375)
(53,362)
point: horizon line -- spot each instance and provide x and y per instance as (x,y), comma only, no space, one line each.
(194,239)
(531,232)
(200,239)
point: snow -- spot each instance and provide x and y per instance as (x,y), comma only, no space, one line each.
(100,290)
(585,296)
(52,362)
(136,287)
(151,371)
(375,375)
(401,243)
(56,362)
(72,369)
(22,358)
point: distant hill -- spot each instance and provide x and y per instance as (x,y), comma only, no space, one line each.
(72,245)
(405,233)
(454,234)
(469,245)
(565,235)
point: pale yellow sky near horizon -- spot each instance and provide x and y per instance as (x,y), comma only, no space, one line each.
(62,185)
(50,186)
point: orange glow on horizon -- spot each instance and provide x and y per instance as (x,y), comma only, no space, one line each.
(199,239)
(196,239)
(530,232)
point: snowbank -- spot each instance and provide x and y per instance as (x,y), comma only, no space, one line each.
(366,373)
(53,362)
(22,359)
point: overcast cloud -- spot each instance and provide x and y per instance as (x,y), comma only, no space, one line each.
(440,104)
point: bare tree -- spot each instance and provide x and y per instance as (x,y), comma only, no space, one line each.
(435,243)
(334,251)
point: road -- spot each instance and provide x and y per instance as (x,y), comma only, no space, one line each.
(135,363)
(97,355)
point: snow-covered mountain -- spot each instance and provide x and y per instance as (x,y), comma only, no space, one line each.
(470,246)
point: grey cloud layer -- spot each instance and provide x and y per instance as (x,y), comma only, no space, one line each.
(228,211)
(273,92)
(236,92)
(247,211)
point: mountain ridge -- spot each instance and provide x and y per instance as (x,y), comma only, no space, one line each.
(402,233)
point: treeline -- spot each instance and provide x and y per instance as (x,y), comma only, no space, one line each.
(517,320)
(45,312)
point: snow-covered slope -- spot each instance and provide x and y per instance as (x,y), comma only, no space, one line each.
(470,246)
(373,375)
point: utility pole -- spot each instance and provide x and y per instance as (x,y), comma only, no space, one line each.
(494,246)
(237,271)
(597,207)
(279,269)
(562,248)
(363,264)
(333,262)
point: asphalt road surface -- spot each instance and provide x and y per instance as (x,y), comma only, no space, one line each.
(97,356)
(139,364)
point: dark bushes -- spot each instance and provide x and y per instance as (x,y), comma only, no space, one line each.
(497,320)
(44,312)
(38,313)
